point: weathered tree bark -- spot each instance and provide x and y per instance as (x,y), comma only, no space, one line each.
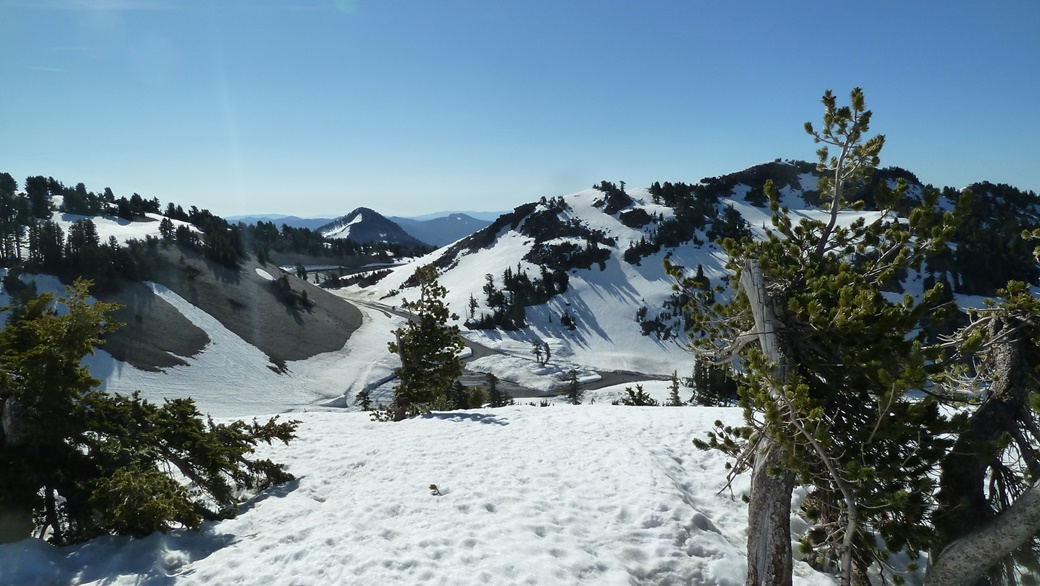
(769,504)
(769,520)
(971,537)
(966,561)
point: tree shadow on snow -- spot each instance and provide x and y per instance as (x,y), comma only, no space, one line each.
(279,491)
(154,560)
(485,418)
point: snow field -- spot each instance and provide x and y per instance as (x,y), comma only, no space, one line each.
(591,494)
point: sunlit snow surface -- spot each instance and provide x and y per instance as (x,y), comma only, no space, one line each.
(590,494)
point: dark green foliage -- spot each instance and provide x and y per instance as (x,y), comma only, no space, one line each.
(637,398)
(545,225)
(989,251)
(495,396)
(573,390)
(567,321)
(564,256)
(713,385)
(635,218)
(428,348)
(615,199)
(840,408)
(293,298)
(85,463)
(459,396)
(673,392)
(518,291)
(696,207)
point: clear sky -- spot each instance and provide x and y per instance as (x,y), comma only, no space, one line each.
(315,107)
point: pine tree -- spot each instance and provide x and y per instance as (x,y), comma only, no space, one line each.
(80,463)
(986,526)
(536,349)
(673,395)
(573,389)
(637,398)
(428,348)
(496,398)
(826,391)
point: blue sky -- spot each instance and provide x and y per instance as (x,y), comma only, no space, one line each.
(315,107)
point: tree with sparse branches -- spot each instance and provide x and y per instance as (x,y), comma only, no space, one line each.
(830,361)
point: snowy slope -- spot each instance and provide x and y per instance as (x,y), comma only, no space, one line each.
(231,377)
(120,229)
(603,303)
(591,494)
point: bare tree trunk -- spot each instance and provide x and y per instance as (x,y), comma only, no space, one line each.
(769,504)
(769,520)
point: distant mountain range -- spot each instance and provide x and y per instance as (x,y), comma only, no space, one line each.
(278,220)
(443,230)
(367,225)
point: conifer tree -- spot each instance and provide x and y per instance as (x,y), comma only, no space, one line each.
(495,396)
(673,395)
(638,398)
(79,463)
(573,389)
(428,348)
(825,394)
(986,520)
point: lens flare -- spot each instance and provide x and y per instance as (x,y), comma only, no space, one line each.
(345,6)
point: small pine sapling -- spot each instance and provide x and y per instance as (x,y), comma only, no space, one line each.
(673,395)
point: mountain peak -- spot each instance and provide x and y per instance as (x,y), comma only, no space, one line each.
(366,225)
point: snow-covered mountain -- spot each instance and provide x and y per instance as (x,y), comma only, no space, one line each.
(596,286)
(366,225)
(584,272)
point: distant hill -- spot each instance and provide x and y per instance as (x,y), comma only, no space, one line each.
(441,230)
(436,229)
(277,220)
(586,268)
(366,225)
(487,216)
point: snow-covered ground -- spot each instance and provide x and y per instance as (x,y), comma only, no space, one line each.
(588,494)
